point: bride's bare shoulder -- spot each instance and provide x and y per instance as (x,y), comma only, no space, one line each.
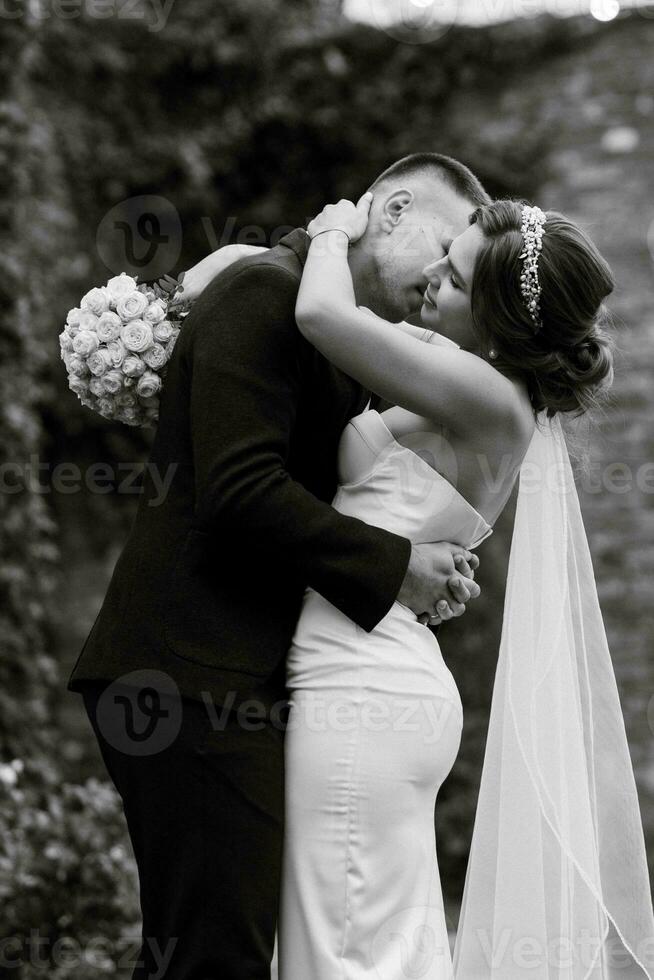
(522,420)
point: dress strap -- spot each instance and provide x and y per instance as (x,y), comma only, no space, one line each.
(372,430)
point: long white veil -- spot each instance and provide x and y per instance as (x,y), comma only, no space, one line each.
(557,883)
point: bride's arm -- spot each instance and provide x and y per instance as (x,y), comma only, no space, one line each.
(197,278)
(420,333)
(444,383)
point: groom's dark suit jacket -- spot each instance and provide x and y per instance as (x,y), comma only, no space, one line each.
(209,585)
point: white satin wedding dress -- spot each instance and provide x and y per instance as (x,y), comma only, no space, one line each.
(557,884)
(374,728)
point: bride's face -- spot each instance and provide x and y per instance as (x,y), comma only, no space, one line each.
(446,304)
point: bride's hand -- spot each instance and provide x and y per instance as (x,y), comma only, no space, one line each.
(346,216)
(200,275)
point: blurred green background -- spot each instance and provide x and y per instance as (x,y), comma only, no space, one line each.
(246,117)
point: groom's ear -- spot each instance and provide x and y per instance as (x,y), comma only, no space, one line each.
(395,207)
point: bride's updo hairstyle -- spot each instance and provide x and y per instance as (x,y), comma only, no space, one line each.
(561,349)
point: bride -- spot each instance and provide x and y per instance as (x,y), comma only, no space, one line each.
(557,881)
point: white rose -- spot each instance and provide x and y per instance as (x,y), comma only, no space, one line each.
(155,357)
(117,352)
(132,306)
(148,384)
(120,286)
(112,381)
(155,312)
(108,327)
(133,366)
(128,414)
(99,361)
(65,342)
(137,336)
(129,382)
(72,319)
(85,343)
(88,321)
(77,365)
(163,332)
(106,407)
(96,387)
(79,385)
(149,401)
(96,300)
(126,399)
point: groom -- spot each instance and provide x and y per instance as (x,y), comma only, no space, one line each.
(182,673)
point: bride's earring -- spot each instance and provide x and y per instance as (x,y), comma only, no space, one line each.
(492,354)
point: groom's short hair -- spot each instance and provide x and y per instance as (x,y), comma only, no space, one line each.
(456,175)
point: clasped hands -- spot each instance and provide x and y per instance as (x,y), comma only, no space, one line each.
(439,581)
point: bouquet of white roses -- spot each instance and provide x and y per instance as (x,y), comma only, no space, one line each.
(116,345)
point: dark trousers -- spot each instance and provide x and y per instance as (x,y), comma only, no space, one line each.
(204,811)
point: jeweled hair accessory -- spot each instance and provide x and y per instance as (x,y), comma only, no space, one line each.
(532,228)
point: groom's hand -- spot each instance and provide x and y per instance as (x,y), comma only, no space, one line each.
(439,581)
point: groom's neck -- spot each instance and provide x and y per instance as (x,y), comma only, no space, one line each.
(362,277)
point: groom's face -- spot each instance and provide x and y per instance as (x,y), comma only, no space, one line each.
(410,229)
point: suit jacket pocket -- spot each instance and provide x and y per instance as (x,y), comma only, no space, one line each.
(204,619)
